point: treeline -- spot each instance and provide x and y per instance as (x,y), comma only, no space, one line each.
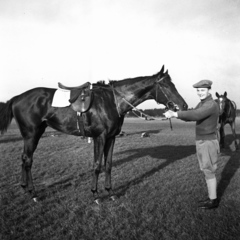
(156,112)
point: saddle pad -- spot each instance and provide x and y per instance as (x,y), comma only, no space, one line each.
(61,98)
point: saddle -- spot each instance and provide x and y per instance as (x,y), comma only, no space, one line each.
(80,96)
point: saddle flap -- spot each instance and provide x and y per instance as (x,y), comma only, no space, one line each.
(81,101)
(75,94)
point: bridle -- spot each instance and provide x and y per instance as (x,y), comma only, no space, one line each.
(169,104)
(222,109)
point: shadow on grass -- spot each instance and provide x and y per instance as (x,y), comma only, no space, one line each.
(54,187)
(229,140)
(230,168)
(17,137)
(12,138)
(168,152)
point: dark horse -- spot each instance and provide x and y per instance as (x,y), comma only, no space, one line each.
(33,112)
(228,110)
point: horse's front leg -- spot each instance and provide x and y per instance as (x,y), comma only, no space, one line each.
(108,151)
(222,136)
(99,143)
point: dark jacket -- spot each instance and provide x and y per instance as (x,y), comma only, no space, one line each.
(206,116)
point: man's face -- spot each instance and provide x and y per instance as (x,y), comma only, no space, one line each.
(202,93)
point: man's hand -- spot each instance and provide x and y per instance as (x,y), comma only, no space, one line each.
(170,114)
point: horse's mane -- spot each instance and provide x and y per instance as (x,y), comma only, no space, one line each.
(135,79)
(101,83)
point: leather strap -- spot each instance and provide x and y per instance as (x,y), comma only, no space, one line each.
(80,124)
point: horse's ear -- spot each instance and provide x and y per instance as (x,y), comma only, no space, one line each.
(162,70)
(217,95)
(225,94)
(166,72)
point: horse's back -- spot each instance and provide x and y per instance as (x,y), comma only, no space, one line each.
(36,94)
(32,103)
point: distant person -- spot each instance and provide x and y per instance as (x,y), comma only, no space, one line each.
(206,116)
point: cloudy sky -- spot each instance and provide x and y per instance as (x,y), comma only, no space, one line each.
(74,41)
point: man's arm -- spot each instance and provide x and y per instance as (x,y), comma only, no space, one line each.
(192,115)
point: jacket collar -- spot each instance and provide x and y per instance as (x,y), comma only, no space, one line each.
(208,98)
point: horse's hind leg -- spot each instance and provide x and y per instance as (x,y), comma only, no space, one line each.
(27,159)
(234,134)
(108,151)
(99,143)
(30,144)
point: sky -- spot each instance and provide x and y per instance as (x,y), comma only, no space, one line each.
(75,41)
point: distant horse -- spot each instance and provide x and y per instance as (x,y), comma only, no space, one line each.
(33,112)
(228,110)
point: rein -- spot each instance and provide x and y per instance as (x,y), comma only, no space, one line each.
(115,99)
(168,104)
(137,110)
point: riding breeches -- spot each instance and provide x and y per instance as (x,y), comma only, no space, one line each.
(207,154)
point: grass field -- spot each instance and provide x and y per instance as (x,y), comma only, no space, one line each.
(157,180)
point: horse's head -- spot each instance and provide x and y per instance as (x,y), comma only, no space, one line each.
(222,101)
(166,93)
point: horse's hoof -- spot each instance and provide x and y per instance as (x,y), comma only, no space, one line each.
(113,197)
(97,201)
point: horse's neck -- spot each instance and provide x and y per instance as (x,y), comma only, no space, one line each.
(133,92)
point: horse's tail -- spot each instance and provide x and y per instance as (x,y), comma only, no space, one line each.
(6,115)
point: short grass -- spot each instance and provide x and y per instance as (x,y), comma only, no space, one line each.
(157,180)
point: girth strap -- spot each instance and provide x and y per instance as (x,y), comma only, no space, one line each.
(80,124)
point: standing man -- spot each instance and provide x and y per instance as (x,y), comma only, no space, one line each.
(206,116)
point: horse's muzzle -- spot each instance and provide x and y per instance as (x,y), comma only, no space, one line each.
(171,106)
(185,106)
(174,107)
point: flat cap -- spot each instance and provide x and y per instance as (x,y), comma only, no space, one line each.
(203,84)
